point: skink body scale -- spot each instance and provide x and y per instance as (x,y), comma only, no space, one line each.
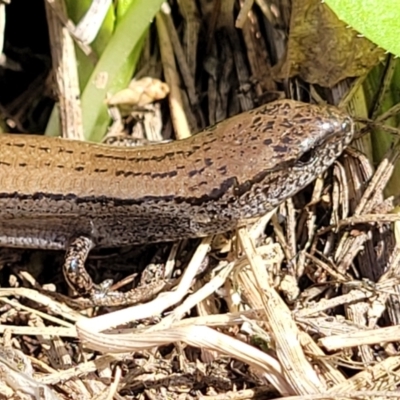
(53,190)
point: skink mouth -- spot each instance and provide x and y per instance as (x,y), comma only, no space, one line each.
(340,129)
(348,126)
(342,136)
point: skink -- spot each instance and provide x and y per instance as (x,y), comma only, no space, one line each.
(61,194)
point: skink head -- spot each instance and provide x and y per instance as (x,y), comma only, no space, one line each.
(328,132)
(296,142)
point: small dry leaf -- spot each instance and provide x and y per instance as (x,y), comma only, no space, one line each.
(321,49)
(140,93)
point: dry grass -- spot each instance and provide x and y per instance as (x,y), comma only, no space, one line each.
(303,304)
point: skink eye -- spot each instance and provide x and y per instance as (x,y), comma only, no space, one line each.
(307,157)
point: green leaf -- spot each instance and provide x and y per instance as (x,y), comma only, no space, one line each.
(119,50)
(377,20)
(116,65)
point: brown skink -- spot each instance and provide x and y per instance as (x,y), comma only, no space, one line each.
(61,194)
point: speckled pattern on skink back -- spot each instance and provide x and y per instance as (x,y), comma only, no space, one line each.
(53,190)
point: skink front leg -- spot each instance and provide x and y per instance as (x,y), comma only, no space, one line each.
(75,272)
(79,280)
(74,269)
